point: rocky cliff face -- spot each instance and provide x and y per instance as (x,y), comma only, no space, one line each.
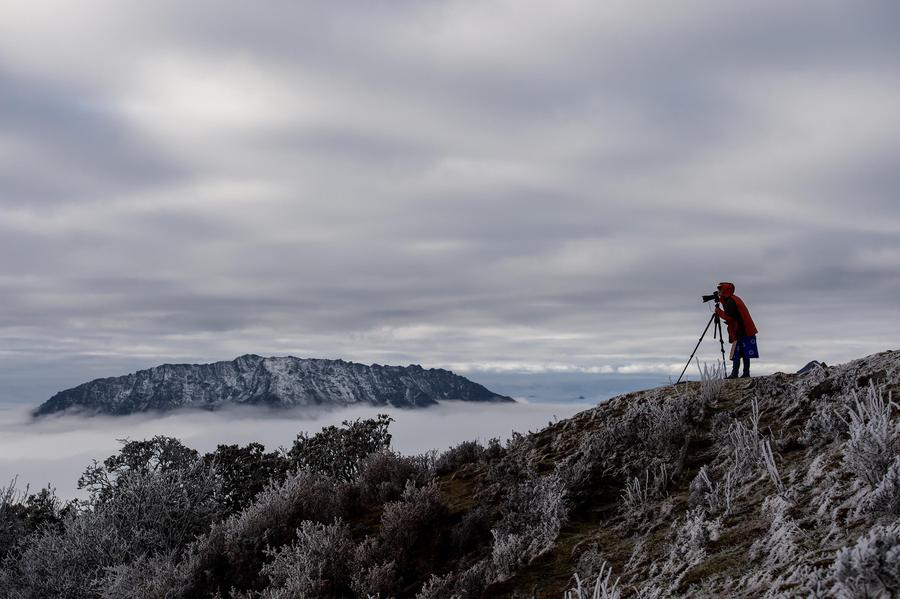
(275,382)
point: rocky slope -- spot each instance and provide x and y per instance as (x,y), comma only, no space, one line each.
(786,487)
(276,382)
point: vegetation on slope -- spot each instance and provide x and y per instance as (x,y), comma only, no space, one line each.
(788,487)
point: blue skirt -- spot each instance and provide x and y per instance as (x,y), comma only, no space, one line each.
(744,347)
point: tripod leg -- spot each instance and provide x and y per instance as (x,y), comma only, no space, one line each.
(722,345)
(696,347)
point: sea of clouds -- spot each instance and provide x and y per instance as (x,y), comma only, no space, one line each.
(55,450)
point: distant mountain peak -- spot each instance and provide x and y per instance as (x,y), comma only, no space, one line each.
(278,381)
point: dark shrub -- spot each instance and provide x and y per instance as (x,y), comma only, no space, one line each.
(466,452)
(338,452)
(245,471)
(383,476)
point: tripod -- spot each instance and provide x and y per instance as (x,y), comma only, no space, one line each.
(718,329)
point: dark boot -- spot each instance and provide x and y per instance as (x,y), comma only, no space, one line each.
(734,370)
(746,374)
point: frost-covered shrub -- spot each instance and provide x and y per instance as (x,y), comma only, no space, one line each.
(743,441)
(23,513)
(688,540)
(409,521)
(639,490)
(768,460)
(661,425)
(373,574)
(712,380)
(12,522)
(384,474)
(592,566)
(162,511)
(823,426)
(602,588)
(869,451)
(466,452)
(884,500)
(232,553)
(158,455)
(871,568)
(146,577)
(439,587)
(317,564)
(144,514)
(636,496)
(583,470)
(714,496)
(66,564)
(780,543)
(473,529)
(533,515)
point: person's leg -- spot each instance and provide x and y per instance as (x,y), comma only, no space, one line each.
(735,364)
(746,368)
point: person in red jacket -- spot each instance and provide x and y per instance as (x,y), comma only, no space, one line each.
(741,329)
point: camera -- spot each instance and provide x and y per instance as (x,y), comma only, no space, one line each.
(714,296)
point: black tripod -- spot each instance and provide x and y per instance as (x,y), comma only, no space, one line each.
(714,318)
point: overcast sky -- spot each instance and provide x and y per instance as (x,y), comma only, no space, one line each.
(490,185)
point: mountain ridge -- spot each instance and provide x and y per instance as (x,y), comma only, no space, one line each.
(275,381)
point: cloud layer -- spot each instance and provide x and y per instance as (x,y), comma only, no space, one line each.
(57,450)
(476,185)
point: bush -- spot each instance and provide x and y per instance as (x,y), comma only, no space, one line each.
(466,452)
(163,511)
(143,514)
(688,540)
(871,568)
(67,564)
(317,564)
(533,515)
(870,450)
(245,471)
(781,542)
(12,520)
(601,589)
(232,553)
(373,574)
(885,499)
(640,489)
(157,455)
(410,521)
(338,452)
(384,474)
(473,530)
(145,577)
(715,496)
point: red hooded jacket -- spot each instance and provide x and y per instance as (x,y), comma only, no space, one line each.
(740,323)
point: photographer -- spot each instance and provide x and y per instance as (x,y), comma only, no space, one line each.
(741,330)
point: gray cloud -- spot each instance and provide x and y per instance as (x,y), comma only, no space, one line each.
(483,186)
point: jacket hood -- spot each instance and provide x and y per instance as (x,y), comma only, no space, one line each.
(726,290)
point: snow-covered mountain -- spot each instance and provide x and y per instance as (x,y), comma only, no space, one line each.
(276,382)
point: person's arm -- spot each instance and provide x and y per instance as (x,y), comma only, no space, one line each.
(724,315)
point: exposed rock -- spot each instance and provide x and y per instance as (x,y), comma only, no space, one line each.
(812,366)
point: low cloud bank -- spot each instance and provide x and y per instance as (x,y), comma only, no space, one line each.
(56,450)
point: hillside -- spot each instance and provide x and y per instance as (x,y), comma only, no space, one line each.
(282,382)
(786,487)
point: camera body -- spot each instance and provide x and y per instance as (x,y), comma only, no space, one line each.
(714,296)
